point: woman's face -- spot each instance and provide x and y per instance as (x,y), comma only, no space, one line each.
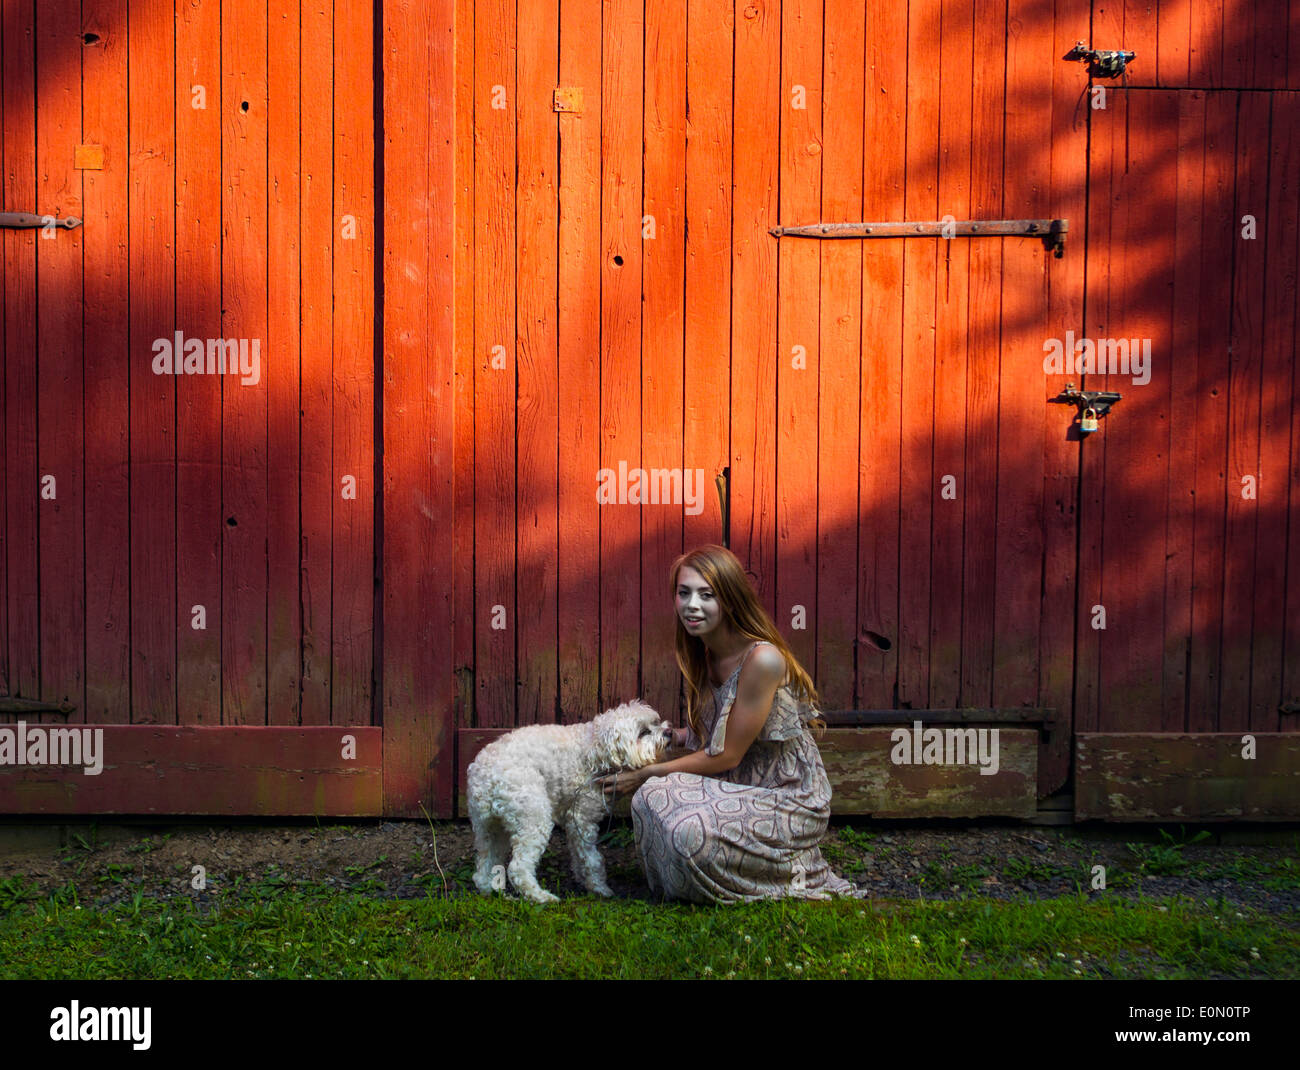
(697,605)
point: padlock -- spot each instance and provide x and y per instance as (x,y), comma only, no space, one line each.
(1088,423)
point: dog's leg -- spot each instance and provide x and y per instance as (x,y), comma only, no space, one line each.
(530,831)
(493,850)
(582,831)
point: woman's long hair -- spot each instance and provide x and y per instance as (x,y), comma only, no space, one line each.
(722,571)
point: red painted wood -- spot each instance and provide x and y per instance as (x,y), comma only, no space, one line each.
(1206,43)
(839,386)
(199,520)
(979,487)
(353,616)
(880,422)
(1140,34)
(281,376)
(663,287)
(104,243)
(952,418)
(578,313)
(245,448)
(166,769)
(319,495)
(60,413)
(419,319)
(1181,484)
(799,357)
(1017,590)
(622,70)
(537,532)
(1278,446)
(1218,237)
(920,484)
(151,214)
(22,488)
(1245,365)
(1268,46)
(1173,39)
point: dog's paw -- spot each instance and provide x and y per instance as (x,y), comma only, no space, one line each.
(542,896)
(602,890)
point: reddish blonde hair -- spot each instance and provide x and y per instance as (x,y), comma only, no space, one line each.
(739,605)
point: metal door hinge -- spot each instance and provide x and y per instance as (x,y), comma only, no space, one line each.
(1052,231)
(31,219)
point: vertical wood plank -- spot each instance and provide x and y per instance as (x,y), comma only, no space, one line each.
(1277,508)
(1250,271)
(153,442)
(839,385)
(199,520)
(798,333)
(1204,677)
(1205,44)
(880,422)
(979,488)
(709,135)
(539,428)
(1173,35)
(104,237)
(421,206)
(60,385)
(622,66)
(495,364)
(1141,35)
(579,349)
(1021,400)
(1181,493)
(281,369)
(1268,45)
(244,243)
(951,353)
(317,492)
(353,616)
(662,339)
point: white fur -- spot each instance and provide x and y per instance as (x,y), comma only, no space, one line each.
(525,783)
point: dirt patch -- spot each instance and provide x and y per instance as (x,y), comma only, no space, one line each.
(409,859)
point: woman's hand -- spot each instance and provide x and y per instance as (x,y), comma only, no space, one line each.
(625,782)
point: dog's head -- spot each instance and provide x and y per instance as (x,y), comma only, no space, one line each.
(630,736)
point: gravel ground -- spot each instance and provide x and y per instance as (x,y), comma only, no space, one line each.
(409,859)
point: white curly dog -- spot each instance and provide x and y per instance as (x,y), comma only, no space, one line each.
(525,783)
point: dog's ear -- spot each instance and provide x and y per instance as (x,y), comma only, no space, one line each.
(612,743)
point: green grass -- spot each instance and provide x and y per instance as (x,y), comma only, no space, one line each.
(271,929)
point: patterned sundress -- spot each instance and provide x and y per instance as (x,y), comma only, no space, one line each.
(750,833)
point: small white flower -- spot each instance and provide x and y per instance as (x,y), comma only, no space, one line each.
(1049,914)
(1060,954)
(708,969)
(748,940)
(962,941)
(1078,962)
(767,959)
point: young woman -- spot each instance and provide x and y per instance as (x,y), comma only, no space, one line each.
(741,817)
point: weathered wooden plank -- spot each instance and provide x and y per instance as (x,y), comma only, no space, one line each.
(880,418)
(1205,47)
(353,616)
(864,780)
(664,288)
(537,533)
(579,348)
(107,398)
(209,769)
(318,493)
(621,363)
(1135,776)
(1288,113)
(284,344)
(1173,35)
(839,373)
(421,211)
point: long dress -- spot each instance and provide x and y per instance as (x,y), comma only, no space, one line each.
(752,832)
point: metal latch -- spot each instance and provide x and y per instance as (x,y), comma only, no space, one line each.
(1102,63)
(1052,231)
(31,219)
(1092,404)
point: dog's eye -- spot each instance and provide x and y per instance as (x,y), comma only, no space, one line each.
(645,731)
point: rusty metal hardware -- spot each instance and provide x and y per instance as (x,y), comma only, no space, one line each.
(31,219)
(24,706)
(1102,62)
(1052,231)
(1090,403)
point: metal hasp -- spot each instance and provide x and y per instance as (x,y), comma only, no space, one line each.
(31,219)
(1098,402)
(1102,62)
(1052,231)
